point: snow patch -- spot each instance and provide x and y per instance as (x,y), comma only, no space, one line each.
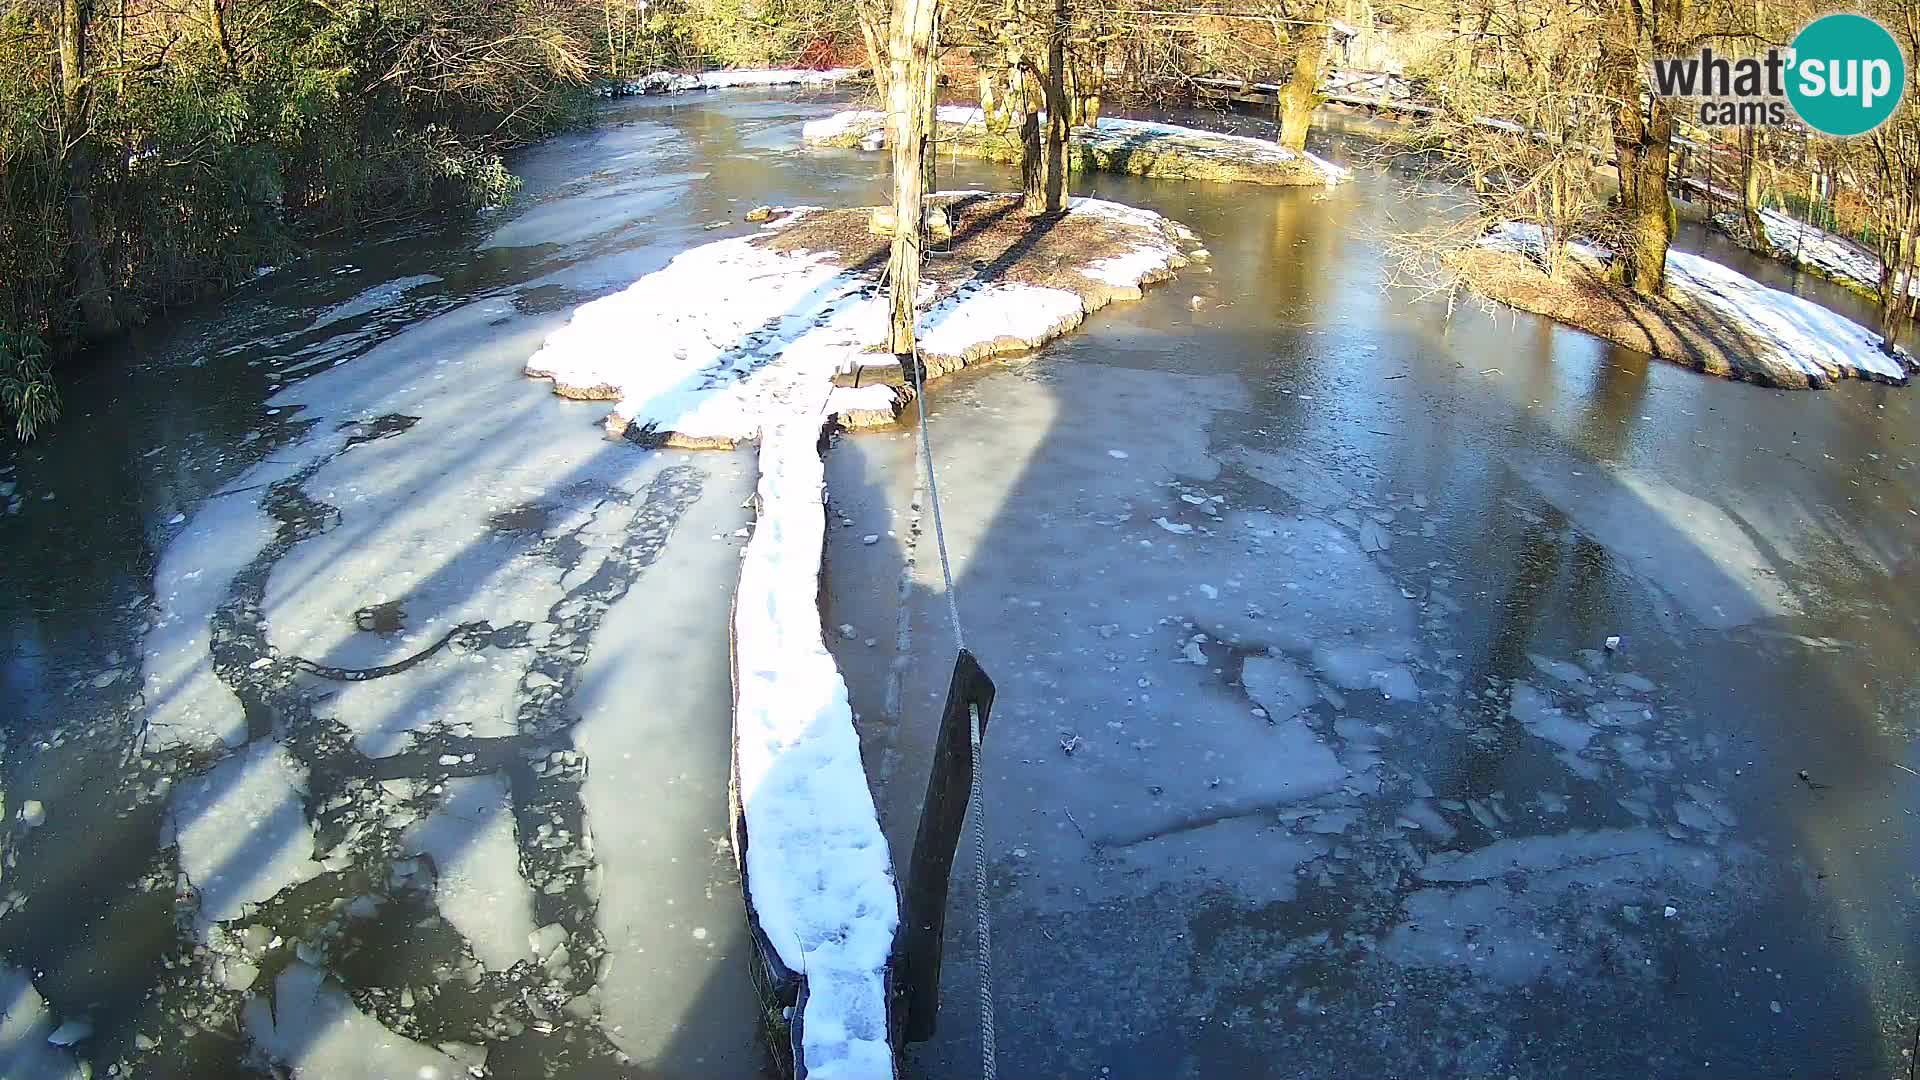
(1802,334)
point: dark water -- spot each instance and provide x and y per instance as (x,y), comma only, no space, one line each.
(1749,546)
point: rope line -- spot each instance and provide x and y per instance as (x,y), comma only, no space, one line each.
(983,929)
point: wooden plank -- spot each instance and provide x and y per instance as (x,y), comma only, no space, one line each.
(923,916)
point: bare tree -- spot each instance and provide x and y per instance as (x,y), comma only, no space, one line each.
(84,248)
(1300,94)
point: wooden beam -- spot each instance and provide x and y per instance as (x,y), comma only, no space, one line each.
(923,916)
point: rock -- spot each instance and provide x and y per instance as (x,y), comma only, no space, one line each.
(1613,643)
(33,813)
(760,213)
(870,539)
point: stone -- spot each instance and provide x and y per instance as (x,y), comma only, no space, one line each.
(760,213)
(33,813)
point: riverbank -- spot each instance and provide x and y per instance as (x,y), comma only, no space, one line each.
(1139,147)
(1813,249)
(771,337)
(1712,318)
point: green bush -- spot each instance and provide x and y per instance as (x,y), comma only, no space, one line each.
(206,164)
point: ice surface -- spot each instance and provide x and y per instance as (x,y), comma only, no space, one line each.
(316,1031)
(470,838)
(25,1024)
(386,294)
(386,714)
(1687,545)
(243,831)
(1279,686)
(187,704)
(1512,911)
(1538,715)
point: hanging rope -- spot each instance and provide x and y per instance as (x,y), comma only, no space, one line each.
(983,930)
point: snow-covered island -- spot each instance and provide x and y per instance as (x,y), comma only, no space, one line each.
(1112,144)
(676,82)
(1712,318)
(772,337)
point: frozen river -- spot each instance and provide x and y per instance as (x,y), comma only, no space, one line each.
(376,708)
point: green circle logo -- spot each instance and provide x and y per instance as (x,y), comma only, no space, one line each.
(1847,75)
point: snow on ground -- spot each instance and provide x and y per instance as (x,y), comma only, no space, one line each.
(1835,256)
(1110,135)
(669,82)
(743,342)
(1802,334)
(735,329)
(1816,340)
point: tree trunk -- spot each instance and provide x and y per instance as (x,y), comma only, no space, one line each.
(876,56)
(84,254)
(1033,173)
(217,22)
(1642,145)
(1058,112)
(910,55)
(930,106)
(1896,261)
(1302,90)
(1463,39)
(1750,190)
